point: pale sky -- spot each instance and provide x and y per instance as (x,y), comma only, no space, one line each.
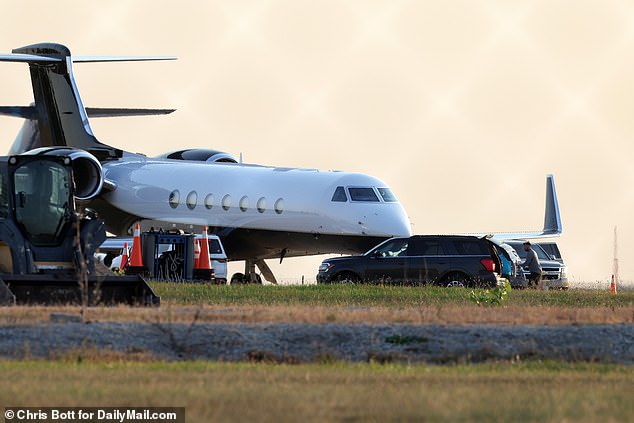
(462,107)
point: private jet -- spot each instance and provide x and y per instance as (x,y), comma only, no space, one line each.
(259,212)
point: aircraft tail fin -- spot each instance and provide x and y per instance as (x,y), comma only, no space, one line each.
(61,119)
(552,217)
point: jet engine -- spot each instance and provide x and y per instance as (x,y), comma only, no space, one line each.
(87,172)
(200,155)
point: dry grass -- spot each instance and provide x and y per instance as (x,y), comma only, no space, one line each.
(350,304)
(438,314)
(335,392)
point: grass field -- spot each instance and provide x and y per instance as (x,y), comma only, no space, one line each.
(371,295)
(218,392)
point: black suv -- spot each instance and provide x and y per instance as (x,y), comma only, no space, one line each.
(446,260)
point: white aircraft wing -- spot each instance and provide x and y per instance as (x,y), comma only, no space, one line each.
(115,244)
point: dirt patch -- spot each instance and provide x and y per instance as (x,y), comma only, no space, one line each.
(292,343)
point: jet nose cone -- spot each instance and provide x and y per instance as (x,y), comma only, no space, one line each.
(400,223)
(390,221)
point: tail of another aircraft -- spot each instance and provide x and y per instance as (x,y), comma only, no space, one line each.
(58,117)
(552,218)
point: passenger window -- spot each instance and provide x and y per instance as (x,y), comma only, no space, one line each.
(261,205)
(388,195)
(426,247)
(470,247)
(192,199)
(226,202)
(244,203)
(279,206)
(363,194)
(209,201)
(340,195)
(174,198)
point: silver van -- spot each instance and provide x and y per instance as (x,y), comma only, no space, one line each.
(554,272)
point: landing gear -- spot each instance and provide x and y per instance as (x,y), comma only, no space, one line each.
(251,276)
(241,278)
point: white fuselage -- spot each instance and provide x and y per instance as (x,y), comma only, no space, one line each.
(251,197)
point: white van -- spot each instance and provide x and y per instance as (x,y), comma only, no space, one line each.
(217,257)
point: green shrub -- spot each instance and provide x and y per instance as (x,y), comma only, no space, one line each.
(495,296)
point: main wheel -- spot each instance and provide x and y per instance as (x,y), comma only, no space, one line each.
(255,279)
(237,279)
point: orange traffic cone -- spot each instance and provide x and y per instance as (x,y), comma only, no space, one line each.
(136,260)
(203,270)
(613,286)
(124,257)
(203,262)
(196,254)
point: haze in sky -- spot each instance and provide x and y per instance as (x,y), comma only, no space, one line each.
(462,107)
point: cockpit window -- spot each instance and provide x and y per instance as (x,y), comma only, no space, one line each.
(388,195)
(363,194)
(339,195)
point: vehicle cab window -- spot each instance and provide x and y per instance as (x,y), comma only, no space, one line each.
(43,200)
(393,248)
(214,246)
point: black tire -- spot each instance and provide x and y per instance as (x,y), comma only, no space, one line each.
(237,279)
(257,280)
(242,279)
(456,280)
(348,278)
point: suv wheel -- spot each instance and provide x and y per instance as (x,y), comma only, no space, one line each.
(347,277)
(455,280)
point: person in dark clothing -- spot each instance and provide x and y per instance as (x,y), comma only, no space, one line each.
(534,267)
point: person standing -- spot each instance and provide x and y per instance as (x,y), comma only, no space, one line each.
(534,267)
